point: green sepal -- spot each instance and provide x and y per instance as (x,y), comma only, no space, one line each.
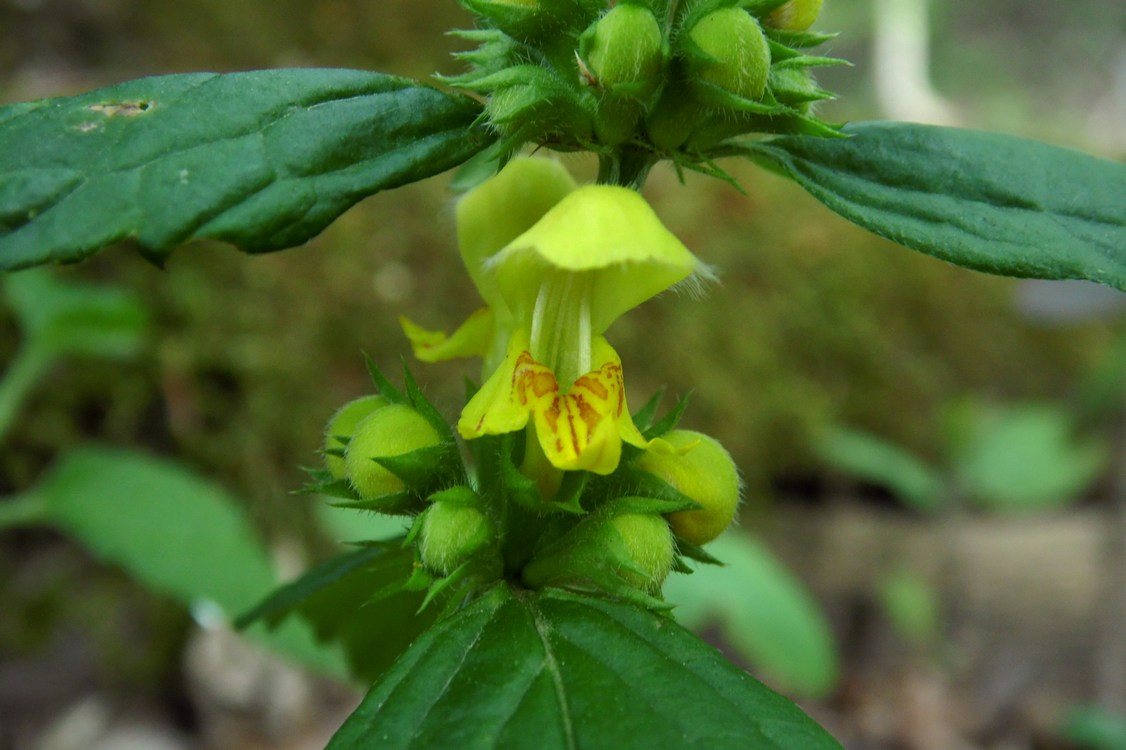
(639,482)
(798,39)
(796,87)
(809,61)
(459,495)
(424,469)
(393,504)
(331,487)
(695,552)
(670,420)
(441,584)
(519,21)
(516,486)
(717,96)
(496,51)
(679,566)
(570,495)
(544,20)
(417,399)
(643,417)
(383,386)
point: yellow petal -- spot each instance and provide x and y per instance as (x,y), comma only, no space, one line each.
(607,232)
(582,429)
(498,407)
(472,338)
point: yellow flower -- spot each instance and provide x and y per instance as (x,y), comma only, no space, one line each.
(556,264)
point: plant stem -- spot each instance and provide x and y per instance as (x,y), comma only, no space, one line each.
(21,375)
(627,167)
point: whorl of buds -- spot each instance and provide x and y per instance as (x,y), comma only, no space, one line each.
(700,468)
(390,431)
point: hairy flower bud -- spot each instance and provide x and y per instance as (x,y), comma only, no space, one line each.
(649,545)
(390,431)
(614,551)
(700,468)
(736,55)
(453,530)
(624,47)
(341,426)
(795,15)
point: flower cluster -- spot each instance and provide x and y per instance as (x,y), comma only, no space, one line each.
(568,487)
(644,80)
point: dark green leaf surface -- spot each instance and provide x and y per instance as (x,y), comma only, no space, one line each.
(985,201)
(552,670)
(263,159)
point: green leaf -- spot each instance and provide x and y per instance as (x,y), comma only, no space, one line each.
(1024,458)
(174,532)
(1096,729)
(550,670)
(985,201)
(263,159)
(66,318)
(356,600)
(764,613)
(911,604)
(873,459)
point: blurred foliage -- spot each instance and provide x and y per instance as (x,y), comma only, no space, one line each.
(764,615)
(1094,728)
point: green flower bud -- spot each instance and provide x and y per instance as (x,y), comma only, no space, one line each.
(737,53)
(795,15)
(649,543)
(673,118)
(343,424)
(630,550)
(699,467)
(625,47)
(391,431)
(452,531)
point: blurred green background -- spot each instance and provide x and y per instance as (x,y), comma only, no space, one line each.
(814,323)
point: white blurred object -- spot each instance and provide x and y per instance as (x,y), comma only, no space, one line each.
(1067,302)
(1107,122)
(901,60)
(91,725)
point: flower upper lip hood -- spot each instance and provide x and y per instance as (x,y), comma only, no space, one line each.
(605,231)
